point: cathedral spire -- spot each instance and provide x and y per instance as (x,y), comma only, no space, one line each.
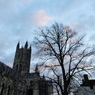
(18,45)
(43,77)
(36,69)
(26,44)
(30,47)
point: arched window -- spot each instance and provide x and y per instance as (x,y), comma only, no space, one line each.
(2,89)
(8,91)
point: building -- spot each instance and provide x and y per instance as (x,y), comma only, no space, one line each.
(18,80)
(87,87)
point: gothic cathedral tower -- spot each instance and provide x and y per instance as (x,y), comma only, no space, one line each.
(22,59)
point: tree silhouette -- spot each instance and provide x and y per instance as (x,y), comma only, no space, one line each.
(64,48)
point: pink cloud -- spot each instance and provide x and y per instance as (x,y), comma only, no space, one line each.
(40,18)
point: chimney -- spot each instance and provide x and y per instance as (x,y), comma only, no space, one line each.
(85,78)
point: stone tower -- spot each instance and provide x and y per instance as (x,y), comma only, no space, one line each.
(22,59)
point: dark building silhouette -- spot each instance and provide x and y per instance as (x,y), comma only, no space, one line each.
(18,80)
(87,87)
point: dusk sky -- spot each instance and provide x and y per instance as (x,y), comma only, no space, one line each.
(20,18)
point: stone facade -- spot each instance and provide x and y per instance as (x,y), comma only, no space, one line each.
(18,80)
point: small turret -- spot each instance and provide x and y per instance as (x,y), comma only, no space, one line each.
(18,45)
(43,77)
(26,45)
(36,70)
(30,47)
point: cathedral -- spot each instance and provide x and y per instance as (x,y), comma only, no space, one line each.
(18,80)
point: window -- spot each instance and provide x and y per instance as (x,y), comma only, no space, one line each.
(2,89)
(8,91)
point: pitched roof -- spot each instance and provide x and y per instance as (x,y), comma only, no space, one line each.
(9,72)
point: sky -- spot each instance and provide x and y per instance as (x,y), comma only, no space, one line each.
(20,18)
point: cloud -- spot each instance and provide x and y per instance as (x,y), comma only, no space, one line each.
(85,25)
(11,7)
(69,10)
(39,18)
(70,7)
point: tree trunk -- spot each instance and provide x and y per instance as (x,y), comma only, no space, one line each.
(65,89)
(65,93)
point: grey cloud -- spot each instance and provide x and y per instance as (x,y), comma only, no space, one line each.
(12,9)
(88,23)
(72,8)
(85,24)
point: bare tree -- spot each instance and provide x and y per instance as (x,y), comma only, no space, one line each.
(65,49)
